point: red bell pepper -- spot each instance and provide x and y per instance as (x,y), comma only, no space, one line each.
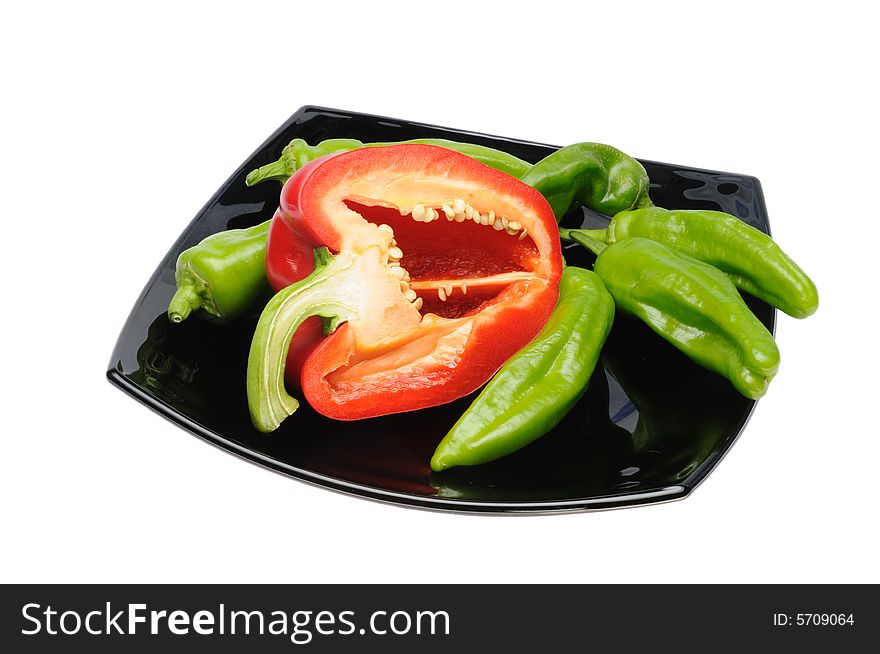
(443,269)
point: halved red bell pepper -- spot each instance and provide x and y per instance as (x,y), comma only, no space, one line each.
(442,269)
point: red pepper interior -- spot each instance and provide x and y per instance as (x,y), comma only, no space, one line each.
(445,251)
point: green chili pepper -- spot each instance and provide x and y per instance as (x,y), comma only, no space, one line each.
(692,305)
(534,390)
(298,153)
(754,262)
(598,176)
(224,275)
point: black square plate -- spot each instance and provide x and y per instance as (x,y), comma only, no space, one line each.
(651,426)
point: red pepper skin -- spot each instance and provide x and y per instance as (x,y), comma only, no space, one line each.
(293,259)
(456,353)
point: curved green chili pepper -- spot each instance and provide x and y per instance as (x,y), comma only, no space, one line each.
(692,305)
(534,390)
(598,176)
(323,293)
(754,262)
(298,153)
(224,276)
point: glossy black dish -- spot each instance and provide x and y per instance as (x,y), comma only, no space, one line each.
(649,429)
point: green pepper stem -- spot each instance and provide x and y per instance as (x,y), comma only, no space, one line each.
(323,293)
(598,234)
(595,240)
(279,170)
(184,302)
(592,239)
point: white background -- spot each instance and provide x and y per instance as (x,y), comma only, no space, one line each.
(118,122)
